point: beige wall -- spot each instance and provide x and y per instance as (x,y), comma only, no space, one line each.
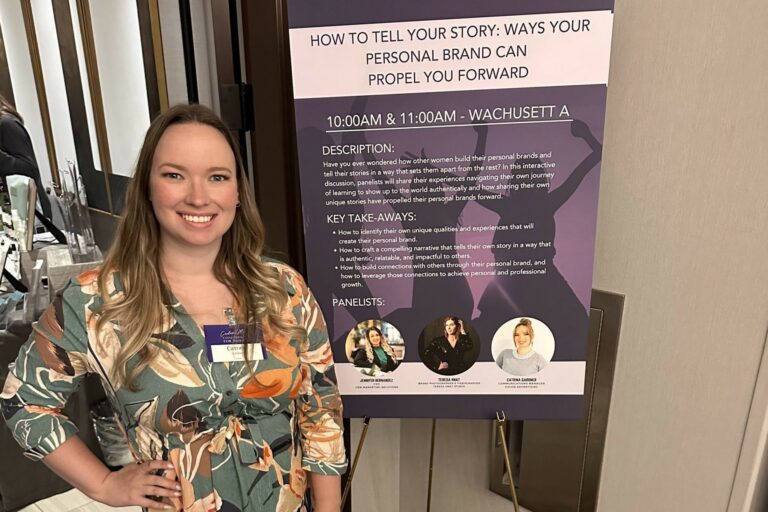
(683,232)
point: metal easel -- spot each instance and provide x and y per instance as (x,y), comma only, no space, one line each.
(500,419)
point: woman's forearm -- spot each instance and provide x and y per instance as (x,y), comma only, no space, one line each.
(326,492)
(74,462)
(148,484)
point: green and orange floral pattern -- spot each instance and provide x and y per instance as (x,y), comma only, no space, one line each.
(238,441)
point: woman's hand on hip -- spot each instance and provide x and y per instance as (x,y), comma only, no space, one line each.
(133,484)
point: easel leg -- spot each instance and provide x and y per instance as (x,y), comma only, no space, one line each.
(500,418)
(344,496)
(431,464)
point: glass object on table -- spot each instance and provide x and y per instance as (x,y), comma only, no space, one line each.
(22,193)
(36,298)
(17,214)
(72,203)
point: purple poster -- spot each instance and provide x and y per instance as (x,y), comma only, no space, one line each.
(449,157)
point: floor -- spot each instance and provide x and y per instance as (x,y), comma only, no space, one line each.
(73,501)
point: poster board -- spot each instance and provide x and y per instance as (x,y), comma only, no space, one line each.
(449,159)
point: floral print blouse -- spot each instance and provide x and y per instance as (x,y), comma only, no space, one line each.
(238,441)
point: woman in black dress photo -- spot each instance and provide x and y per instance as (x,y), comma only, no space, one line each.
(452,352)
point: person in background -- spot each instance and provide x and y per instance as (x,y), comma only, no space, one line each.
(16,153)
(236,433)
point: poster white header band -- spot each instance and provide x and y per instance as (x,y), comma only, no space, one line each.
(483,378)
(452,55)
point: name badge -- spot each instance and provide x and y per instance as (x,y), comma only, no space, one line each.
(227,343)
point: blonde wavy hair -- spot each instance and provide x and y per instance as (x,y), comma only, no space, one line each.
(384,344)
(135,254)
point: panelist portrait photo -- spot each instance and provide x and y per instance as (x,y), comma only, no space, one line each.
(448,345)
(523,346)
(375,347)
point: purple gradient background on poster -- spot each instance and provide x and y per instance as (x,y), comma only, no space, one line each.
(575,220)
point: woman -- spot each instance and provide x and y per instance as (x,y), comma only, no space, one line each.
(230,436)
(451,353)
(522,360)
(377,353)
(16,153)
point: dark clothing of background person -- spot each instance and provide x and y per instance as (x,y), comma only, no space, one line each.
(458,357)
(18,157)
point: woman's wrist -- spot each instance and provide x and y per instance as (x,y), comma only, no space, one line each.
(74,462)
(101,493)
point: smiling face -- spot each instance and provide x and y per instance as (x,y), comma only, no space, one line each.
(374,338)
(523,337)
(193,186)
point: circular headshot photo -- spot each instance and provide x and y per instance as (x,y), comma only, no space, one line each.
(449,345)
(523,346)
(375,347)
